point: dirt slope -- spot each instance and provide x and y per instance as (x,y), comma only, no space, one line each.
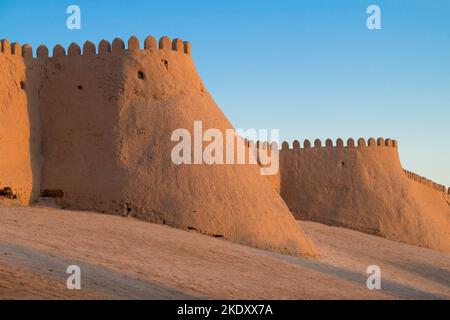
(123,257)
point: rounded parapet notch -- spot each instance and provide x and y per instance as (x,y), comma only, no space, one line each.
(285,146)
(371,142)
(317,143)
(187,47)
(118,46)
(74,50)
(296,144)
(395,143)
(89,49)
(165,43)
(351,143)
(388,143)
(381,142)
(339,143)
(274,146)
(27,51)
(42,53)
(58,52)
(6,47)
(177,45)
(16,49)
(362,143)
(307,144)
(134,43)
(104,47)
(329,143)
(150,43)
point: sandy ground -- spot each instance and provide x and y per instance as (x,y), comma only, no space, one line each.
(124,258)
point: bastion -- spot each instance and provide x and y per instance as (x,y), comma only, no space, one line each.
(362,185)
(91,128)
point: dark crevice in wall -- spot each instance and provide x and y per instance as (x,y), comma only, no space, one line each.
(52,194)
(8,193)
(166,63)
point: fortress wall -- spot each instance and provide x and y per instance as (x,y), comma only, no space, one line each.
(219,200)
(362,186)
(79,115)
(261,153)
(427,182)
(82,100)
(107,117)
(91,127)
(20,159)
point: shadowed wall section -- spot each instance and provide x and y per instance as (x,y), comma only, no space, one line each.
(20,144)
(362,186)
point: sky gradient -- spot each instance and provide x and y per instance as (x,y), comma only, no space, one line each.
(310,68)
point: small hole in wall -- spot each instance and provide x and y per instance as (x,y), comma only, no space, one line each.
(342,163)
(166,63)
(141,75)
(80,87)
(22,85)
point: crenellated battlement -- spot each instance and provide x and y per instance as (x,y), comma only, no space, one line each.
(317,143)
(427,182)
(89,49)
(360,143)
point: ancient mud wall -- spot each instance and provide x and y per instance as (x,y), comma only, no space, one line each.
(427,182)
(92,129)
(19,128)
(107,116)
(363,187)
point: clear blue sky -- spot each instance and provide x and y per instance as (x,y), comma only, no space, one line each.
(310,68)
